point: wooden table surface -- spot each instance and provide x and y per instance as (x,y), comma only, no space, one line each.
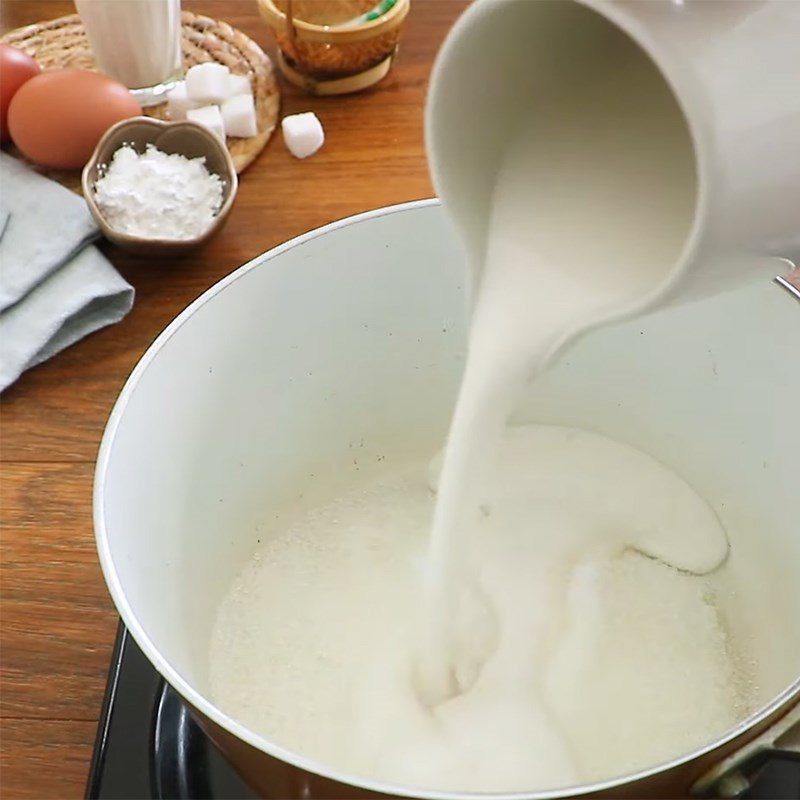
(57,621)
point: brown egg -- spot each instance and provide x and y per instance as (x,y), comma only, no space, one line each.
(57,118)
(16,67)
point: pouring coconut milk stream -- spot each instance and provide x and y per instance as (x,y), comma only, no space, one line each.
(589,211)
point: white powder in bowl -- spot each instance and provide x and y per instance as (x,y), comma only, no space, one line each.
(157,195)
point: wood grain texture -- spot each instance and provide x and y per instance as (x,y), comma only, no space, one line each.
(56,620)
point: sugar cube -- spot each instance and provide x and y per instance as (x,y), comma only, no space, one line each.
(303,134)
(178,102)
(239,84)
(239,115)
(208,83)
(209,117)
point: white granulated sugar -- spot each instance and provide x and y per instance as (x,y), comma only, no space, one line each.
(158,195)
(582,659)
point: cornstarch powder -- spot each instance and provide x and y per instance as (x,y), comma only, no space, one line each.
(158,195)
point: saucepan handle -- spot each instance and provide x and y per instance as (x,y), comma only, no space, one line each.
(790,281)
(735,775)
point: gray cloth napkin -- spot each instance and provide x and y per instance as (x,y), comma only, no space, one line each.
(55,287)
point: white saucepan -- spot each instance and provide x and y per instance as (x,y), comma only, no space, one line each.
(357,331)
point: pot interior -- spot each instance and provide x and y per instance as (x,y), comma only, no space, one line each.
(258,391)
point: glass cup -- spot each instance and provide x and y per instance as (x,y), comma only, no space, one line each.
(137,42)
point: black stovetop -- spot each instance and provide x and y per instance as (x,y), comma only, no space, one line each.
(148,746)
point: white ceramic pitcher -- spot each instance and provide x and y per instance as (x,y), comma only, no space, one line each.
(733,69)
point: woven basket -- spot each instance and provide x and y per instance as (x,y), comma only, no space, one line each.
(325,59)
